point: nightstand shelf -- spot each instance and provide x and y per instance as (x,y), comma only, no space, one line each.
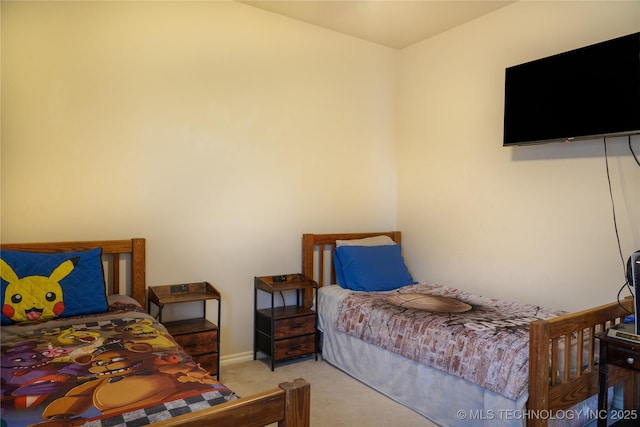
(288,331)
(199,337)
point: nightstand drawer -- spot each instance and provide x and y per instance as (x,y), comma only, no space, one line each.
(295,326)
(623,358)
(293,347)
(198,343)
(208,362)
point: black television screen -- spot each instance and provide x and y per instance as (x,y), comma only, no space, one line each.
(585,93)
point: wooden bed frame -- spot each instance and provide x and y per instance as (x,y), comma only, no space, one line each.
(548,391)
(288,404)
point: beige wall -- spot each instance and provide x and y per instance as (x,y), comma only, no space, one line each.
(217,131)
(531,223)
(221,133)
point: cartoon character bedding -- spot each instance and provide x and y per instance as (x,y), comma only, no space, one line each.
(96,366)
(117,368)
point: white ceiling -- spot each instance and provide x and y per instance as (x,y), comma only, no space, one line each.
(392,23)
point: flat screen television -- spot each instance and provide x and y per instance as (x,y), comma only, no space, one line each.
(585,93)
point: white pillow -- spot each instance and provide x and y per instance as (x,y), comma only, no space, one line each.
(367,241)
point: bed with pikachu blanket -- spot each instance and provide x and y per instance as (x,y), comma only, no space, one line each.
(79,349)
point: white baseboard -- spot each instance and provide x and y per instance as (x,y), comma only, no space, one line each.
(236,358)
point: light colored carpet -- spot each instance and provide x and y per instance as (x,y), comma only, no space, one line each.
(336,398)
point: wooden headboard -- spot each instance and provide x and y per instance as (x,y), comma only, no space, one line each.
(317,253)
(131,252)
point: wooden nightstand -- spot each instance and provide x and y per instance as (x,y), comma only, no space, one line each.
(288,331)
(197,336)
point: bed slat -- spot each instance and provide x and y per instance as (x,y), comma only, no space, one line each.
(580,353)
(115,271)
(321,263)
(567,357)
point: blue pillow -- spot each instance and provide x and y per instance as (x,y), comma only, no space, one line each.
(371,268)
(41,286)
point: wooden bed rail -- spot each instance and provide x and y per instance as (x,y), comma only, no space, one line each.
(112,249)
(563,365)
(288,405)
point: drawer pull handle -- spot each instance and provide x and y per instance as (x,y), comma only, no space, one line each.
(295,347)
(631,360)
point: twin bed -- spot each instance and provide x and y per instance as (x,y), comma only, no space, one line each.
(492,363)
(83,355)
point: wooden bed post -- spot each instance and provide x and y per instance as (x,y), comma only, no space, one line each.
(138,261)
(297,403)
(538,372)
(307,256)
(308,247)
